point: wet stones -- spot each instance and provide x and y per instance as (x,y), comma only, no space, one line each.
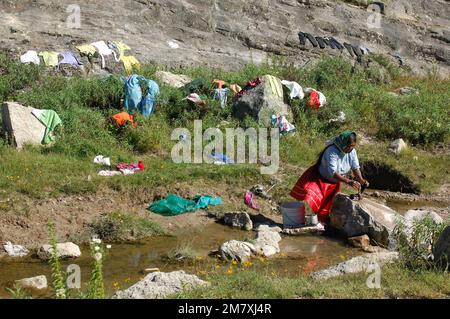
(64,251)
(355,218)
(159,285)
(38,282)
(238,220)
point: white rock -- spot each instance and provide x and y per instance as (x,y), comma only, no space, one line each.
(237,250)
(357,264)
(39,282)
(173,80)
(64,250)
(159,285)
(15,250)
(397,146)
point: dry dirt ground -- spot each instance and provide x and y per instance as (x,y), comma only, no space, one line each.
(26,223)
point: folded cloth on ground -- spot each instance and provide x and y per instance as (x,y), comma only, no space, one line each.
(250,201)
(138,167)
(51,120)
(50,58)
(282,123)
(100,159)
(221,159)
(295,88)
(174,205)
(30,57)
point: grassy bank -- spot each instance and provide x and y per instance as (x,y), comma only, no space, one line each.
(396,282)
(85,105)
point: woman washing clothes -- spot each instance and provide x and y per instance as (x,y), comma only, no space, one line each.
(318,186)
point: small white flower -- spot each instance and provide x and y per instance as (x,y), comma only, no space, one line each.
(98,256)
(108,246)
(96,248)
(96,240)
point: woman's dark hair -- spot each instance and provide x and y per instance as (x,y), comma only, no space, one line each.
(351,140)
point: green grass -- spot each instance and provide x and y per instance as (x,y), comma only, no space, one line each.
(86,104)
(120,227)
(396,282)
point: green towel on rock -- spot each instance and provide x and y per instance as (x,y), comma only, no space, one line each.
(51,120)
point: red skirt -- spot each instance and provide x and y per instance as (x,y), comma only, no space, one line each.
(318,193)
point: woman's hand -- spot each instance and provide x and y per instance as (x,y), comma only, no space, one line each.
(356,185)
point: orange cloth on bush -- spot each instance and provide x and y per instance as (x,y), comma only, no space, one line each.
(122,118)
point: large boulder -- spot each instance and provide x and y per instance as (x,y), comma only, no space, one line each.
(173,80)
(64,251)
(357,264)
(39,282)
(21,126)
(15,250)
(417,215)
(239,220)
(442,248)
(159,285)
(267,242)
(261,103)
(237,250)
(355,218)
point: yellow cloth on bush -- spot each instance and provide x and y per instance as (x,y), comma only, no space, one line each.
(129,62)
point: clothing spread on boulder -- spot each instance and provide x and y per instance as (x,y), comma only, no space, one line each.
(51,120)
(221,95)
(174,205)
(250,85)
(50,58)
(321,42)
(104,50)
(30,57)
(121,119)
(69,58)
(130,62)
(87,50)
(121,48)
(311,39)
(295,88)
(275,85)
(282,123)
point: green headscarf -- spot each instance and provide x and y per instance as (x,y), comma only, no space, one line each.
(342,140)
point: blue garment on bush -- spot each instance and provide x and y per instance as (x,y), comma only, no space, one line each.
(148,104)
(133,93)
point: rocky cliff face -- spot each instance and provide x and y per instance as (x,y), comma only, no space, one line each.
(228,33)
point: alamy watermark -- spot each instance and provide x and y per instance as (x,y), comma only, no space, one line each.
(191,149)
(73,21)
(374,279)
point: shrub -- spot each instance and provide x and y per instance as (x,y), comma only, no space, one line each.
(415,243)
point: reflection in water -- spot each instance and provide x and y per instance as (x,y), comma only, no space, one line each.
(125,263)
